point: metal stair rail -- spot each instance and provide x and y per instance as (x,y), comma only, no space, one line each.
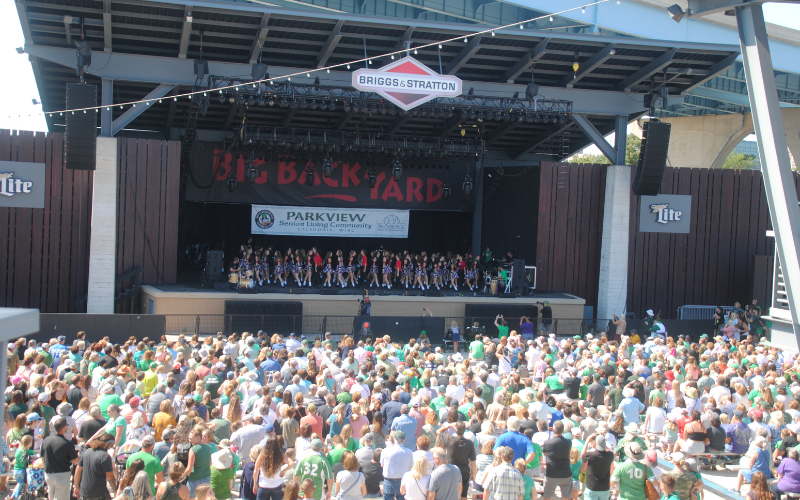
(133,273)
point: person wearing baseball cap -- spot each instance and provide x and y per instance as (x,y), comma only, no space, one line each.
(152,465)
(631,473)
(315,466)
(598,462)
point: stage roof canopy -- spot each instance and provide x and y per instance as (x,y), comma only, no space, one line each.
(143,46)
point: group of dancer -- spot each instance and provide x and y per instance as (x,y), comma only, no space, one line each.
(379,268)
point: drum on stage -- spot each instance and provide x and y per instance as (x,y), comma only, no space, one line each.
(495,284)
(245,283)
(233,278)
(249,273)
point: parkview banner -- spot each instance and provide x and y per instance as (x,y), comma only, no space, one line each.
(284,183)
(305,221)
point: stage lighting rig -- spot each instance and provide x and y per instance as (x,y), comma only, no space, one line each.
(467,185)
(397,170)
(445,192)
(231,182)
(310,175)
(372,179)
(252,172)
(327,166)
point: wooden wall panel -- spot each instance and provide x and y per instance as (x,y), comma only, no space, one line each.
(714,263)
(44,253)
(570,228)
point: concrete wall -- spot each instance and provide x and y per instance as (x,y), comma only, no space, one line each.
(706,141)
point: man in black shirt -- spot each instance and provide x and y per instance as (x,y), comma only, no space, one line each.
(108,361)
(90,426)
(94,469)
(461,453)
(716,435)
(558,472)
(572,384)
(597,464)
(58,454)
(787,443)
(373,473)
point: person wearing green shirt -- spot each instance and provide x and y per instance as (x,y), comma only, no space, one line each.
(476,348)
(552,382)
(487,391)
(315,466)
(335,455)
(502,326)
(213,381)
(198,467)
(117,426)
(107,399)
(48,358)
(222,427)
(222,474)
(630,475)
(438,402)
(152,465)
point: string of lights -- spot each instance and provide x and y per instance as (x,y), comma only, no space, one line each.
(327,69)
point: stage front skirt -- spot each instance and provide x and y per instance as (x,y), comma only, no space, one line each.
(306,221)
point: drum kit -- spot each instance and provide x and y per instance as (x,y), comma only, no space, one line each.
(242,279)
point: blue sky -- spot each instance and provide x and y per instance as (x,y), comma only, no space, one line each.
(18,88)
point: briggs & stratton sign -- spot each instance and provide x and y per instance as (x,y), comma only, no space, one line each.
(407,83)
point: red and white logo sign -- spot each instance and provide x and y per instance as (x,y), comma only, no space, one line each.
(407,83)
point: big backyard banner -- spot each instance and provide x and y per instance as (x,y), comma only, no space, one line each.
(284,183)
(307,221)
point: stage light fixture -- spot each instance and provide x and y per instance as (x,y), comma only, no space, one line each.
(463,114)
(538,118)
(397,170)
(471,91)
(675,12)
(531,91)
(231,182)
(445,192)
(231,99)
(271,101)
(310,174)
(472,114)
(546,119)
(303,104)
(252,173)
(327,167)
(467,185)
(251,100)
(489,116)
(392,111)
(293,104)
(259,71)
(314,105)
(284,103)
(506,117)
(346,107)
(480,116)
(222,98)
(372,179)
(262,101)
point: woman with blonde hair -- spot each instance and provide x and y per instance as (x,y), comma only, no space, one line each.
(350,483)
(171,488)
(414,483)
(347,437)
(138,429)
(234,412)
(162,419)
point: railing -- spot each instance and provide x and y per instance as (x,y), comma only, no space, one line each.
(398,327)
(132,274)
(701,312)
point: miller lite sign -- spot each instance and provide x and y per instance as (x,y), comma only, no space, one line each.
(22,184)
(665,213)
(407,83)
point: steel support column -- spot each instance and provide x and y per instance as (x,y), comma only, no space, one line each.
(106,115)
(621,138)
(772,146)
(597,138)
(477,214)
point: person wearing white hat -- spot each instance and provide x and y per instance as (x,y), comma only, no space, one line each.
(222,473)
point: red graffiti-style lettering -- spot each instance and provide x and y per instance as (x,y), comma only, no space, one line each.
(414,188)
(349,174)
(286,172)
(222,165)
(373,193)
(240,169)
(431,196)
(392,190)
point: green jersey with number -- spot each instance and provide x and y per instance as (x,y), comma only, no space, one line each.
(314,467)
(630,477)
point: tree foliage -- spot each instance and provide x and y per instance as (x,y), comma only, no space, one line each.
(740,161)
(631,154)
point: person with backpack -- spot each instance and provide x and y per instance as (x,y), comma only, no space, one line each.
(172,488)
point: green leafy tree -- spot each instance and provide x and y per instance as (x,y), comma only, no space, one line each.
(632,150)
(740,161)
(589,159)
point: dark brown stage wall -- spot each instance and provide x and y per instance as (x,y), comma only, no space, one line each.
(726,257)
(44,253)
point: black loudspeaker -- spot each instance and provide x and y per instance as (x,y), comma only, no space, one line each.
(80,133)
(248,290)
(329,291)
(518,283)
(222,286)
(652,158)
(433,293)
(509,295)
(214,263)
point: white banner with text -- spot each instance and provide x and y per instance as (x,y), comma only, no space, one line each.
(315,221)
